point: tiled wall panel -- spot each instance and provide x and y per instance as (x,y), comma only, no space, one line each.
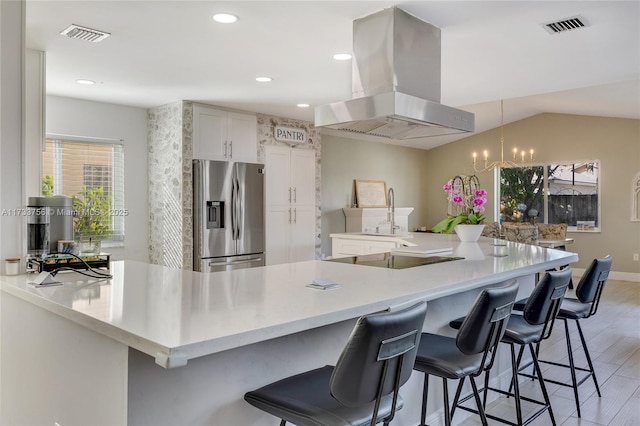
(170,178)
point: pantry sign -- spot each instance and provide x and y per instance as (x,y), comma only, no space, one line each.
(290,135)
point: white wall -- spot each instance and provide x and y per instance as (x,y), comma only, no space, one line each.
(35,111)
(75,117)
(346,159)
(12,18)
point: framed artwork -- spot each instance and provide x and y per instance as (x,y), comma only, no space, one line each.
(371,193)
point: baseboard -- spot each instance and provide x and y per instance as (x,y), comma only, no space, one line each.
(622,276)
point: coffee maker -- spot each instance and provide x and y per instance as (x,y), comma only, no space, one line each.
(49,220)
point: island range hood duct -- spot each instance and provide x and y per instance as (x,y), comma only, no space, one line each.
(395,82)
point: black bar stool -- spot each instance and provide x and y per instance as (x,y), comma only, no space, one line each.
(588,292)
(534,324)
(472,351)
(363,386)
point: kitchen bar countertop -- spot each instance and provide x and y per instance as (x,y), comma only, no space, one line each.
(175,315)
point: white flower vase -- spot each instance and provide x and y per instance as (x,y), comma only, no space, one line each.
(469,233)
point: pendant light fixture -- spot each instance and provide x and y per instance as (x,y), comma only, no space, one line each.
(502,163)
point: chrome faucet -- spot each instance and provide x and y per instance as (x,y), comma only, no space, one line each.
(391,212)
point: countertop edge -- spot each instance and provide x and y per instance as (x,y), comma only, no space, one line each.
(174,356)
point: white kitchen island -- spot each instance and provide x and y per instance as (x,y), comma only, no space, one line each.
(160,346)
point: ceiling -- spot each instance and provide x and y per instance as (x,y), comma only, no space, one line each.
(165,51)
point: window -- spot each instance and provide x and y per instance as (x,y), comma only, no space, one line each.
(92,172)
(553,193)
(96,176)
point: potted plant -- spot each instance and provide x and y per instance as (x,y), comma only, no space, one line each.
(466,207)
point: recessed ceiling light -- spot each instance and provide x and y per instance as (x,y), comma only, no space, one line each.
(225,18)
(85,81)
(342,56)
(303,105)
(264,79)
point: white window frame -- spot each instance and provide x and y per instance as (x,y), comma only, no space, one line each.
(546,192)
(118,220)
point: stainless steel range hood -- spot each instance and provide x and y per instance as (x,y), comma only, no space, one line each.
(395,82)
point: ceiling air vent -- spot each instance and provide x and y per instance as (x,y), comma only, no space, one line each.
(84,33)
(566,24)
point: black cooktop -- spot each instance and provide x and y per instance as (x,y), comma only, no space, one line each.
(393,261)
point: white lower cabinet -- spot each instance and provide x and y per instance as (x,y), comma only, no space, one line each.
(290,235)
(290,204)
(344,247)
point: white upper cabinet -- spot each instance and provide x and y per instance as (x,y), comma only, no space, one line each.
(209,134)
(242,134)
(224,135)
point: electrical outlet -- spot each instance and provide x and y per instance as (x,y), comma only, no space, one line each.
(635,256)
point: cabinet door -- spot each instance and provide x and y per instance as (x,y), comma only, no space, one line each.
(209,134)
(242,136)
(303,238)
(278,190)
(278,234)
(303,176)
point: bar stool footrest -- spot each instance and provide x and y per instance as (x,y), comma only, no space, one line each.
(508,422)
(532,417)
(555,382)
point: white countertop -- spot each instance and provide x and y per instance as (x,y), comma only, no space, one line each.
(176,315)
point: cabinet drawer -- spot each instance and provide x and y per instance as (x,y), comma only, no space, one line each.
(343,248)
(379,247)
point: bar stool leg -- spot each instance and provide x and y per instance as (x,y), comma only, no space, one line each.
(547,401)
(483,417)
(516,387)
(520,353)
(445,392)
(457,397)
(588,356)
(572,367)
(486,388)
(425,393)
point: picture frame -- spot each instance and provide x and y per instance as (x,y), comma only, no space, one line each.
(371,193)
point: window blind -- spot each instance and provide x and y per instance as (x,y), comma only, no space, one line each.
(92,173)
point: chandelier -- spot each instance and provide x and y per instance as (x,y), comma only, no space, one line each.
(502,163)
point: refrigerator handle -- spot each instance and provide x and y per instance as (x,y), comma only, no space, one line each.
(234,218)
(198,199)
(238,209)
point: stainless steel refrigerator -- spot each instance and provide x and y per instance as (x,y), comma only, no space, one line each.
(228,215)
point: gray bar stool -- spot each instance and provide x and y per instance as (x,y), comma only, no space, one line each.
(363,386)
(534,324)
(588,292)
(472,351)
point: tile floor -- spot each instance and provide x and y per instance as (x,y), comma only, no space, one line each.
(613,338)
